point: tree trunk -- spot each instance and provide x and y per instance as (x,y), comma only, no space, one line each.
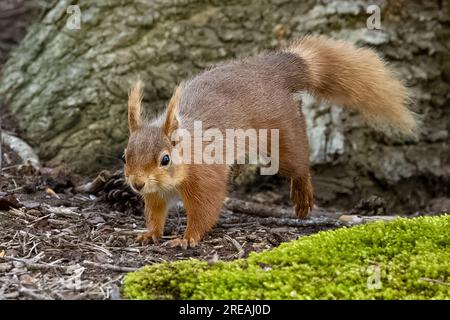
(68,87)
(15,17)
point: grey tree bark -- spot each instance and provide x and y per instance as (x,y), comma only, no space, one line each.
(68,87)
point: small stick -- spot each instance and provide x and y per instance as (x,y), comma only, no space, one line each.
(97,184)
(108,266)
(96,247)
(37,266)
(256,209)
(32,294)
(57,222)
(130,232)
(271,221)
(236,245)
(11,295)
(11,167)
(234,225)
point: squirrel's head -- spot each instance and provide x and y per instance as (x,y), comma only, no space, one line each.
(147,157)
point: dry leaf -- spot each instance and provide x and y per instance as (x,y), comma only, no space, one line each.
(52,193)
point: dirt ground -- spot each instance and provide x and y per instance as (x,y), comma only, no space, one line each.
(63,236)
(59,243)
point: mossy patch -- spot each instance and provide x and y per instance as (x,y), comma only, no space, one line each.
(403,259)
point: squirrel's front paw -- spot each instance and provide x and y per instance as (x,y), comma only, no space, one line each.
(183,243)
(148,237)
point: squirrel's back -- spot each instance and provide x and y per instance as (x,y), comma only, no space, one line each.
(254,92)
(239,93)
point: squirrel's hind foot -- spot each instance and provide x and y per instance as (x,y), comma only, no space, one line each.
(302,196)
(301,211)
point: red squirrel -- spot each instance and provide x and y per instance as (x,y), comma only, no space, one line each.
(254,92)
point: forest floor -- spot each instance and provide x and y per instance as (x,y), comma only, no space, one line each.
(68,237)
(59,243)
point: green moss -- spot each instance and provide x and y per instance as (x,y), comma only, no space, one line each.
(410,257)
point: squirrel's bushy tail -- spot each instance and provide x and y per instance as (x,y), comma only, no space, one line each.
(356,78)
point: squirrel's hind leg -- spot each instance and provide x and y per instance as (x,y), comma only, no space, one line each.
(294,164)
(302,195)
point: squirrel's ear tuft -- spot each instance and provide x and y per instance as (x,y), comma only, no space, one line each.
(171,120)
(134,106)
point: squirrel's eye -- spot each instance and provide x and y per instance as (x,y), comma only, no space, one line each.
(165,160)
(124,159)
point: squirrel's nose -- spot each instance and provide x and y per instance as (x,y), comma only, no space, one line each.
(138,185)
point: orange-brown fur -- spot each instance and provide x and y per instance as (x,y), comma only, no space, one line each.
(155,216)
(256,92)
(341,73)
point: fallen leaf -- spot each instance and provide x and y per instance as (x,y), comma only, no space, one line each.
(52,193)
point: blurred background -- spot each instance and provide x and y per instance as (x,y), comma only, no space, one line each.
(66,66)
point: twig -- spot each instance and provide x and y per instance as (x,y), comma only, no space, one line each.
(11,295)
(58,222)
(88,246)
(108,266)
(15,189)
(299,223)
(11,167)
(37,266)
(134,250)
(236,244)
(234,225)
(97,184)
(32,294)
(61,211)
(130,232)
(256,209)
